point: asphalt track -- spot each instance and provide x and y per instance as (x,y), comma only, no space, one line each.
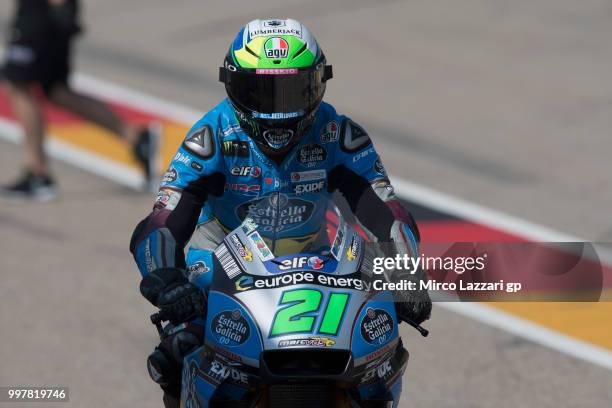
(70,310)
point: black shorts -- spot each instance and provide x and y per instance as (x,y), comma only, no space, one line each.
(41,57)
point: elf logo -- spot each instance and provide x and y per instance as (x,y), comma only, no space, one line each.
(276,47)
(311,262)
(246,171)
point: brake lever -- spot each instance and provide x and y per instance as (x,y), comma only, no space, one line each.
(423,331)
(157,319)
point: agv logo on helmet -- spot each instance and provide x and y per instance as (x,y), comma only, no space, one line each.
(276,47)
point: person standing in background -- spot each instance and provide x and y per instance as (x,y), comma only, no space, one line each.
(39,54)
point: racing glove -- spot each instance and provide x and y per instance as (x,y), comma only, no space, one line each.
(178,299)
(413,305)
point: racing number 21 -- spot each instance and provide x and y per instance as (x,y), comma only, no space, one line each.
(301,309)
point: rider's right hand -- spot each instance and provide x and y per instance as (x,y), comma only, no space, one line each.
(178,299)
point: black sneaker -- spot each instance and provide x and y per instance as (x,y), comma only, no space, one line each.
(146,152)
(30,187)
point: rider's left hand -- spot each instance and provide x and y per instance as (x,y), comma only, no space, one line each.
(182,302)
(178,299)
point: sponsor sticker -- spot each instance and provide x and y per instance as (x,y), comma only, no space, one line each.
(244,189)
(230,328)
(244,283)
(299,262)
(167,199)
(276,71)
(278,138)
(293,29)
(310,175)
(221,372)
(276,212)
(248,226)
(236,148)
(315,187)
(246,171)
(182,158)
(382,371)
(274,23)
(363,154)
(227,261)
(330,132)
(230,130)
(297,278)
(262,249)
(311,154)
(276,47)
(277,115)
(376,326)
(307,342)
(197,269)
(170,176)
(241,249)
(337,245)
(353,250)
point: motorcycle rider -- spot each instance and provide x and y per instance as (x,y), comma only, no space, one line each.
(272,139)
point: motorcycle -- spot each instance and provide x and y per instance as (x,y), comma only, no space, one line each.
(295,329)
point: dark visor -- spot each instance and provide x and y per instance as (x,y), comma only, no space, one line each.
(276,93)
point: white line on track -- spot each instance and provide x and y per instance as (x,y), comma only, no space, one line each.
(406,189)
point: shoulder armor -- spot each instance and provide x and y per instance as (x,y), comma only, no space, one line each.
(200,142)
(353,138)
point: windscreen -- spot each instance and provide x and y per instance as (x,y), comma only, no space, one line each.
(282,224)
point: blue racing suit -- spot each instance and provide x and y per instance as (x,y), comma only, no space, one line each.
(219,175)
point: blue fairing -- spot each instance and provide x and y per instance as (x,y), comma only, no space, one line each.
(366,342)
(243,338)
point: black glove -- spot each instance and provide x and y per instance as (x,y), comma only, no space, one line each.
(178,299)
(413,305)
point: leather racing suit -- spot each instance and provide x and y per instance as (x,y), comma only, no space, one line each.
(219,175)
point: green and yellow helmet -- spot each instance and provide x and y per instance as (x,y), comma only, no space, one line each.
(274,74)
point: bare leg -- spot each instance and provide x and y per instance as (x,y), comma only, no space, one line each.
(94,110)
(28,111)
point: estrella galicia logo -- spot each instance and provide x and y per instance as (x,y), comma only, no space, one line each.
(230,328)
(276,212)
(311,154)
(376,326)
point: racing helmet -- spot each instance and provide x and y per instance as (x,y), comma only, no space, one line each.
(275,74)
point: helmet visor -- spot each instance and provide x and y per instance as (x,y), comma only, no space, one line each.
(275,93)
